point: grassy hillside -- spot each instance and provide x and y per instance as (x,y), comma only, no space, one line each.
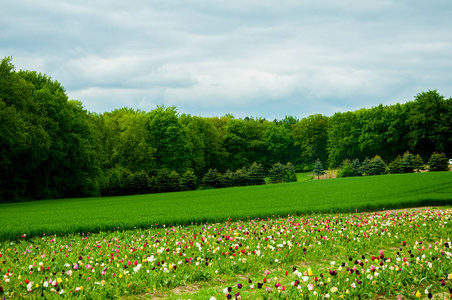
(338,195)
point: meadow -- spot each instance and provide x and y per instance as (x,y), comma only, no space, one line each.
(359,194)
(306,240)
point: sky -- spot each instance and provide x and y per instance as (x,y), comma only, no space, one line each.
(258,58)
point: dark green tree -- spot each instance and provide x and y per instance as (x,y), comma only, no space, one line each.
(277,172)
(394,166)
(356,165)
(188,181)
(212,178)
(377,166)
(430,124)
(407,164)
(256,174)
(419,163)
(438,162)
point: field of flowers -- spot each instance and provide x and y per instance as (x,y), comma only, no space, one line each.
(403,254)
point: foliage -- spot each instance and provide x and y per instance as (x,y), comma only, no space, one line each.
(188,181)
(279,173)
(419,163)
(438,162)
(42,132)
(318,169)
(394,166)
(346,169)
(407,164)
(212,178)
(168,138)
(76,152)
(356,165)
(376,166)
(310,139)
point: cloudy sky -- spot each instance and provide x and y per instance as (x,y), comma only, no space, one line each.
(260,58)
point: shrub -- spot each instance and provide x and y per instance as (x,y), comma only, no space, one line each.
(290,175)
(438,162)
(346,169)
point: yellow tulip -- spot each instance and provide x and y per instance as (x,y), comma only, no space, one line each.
(310,272)
(418,294)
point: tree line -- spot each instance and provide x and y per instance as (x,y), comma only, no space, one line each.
(51,147)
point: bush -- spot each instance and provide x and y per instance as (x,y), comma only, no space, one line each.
(346,169)
(290,175)
(438,162)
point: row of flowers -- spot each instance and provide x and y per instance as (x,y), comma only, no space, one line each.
(375,254)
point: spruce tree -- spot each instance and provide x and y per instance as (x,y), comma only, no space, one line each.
(318,169)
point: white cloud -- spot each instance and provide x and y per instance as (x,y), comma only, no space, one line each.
(260,58)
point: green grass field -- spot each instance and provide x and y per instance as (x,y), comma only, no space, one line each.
(314,196)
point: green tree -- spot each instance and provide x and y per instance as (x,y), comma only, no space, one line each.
(419,163)
(168,138)
(188,181)
(44,133)
(256,174)
(407,164)
(438,162)
(430,124)
(278,143)
(343,137)
(277,172)
(356,165)
(394,166)
(365,167)
(212,178)
(377,166)
(310,137)
(318,169)
(205,144)
(243,141)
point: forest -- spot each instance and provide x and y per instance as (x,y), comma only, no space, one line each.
(51,147)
